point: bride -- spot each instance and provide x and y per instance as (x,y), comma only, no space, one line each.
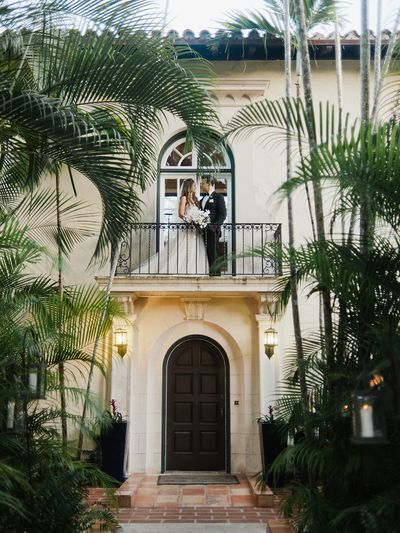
(183,251)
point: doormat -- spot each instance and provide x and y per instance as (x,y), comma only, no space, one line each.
(197,479)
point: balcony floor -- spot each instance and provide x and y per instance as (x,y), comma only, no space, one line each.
(159,285)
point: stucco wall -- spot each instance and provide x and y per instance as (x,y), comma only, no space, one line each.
(160,321)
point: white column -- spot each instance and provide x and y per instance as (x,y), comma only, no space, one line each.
(121,367)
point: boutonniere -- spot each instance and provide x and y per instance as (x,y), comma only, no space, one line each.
(210,201)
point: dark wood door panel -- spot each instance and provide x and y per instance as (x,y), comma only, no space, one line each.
(183,441)
(195,408)
(183,383)
(208,412)
(208,384)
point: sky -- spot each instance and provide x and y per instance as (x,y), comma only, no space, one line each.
(205,14)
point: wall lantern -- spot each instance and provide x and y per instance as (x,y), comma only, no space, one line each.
(37,380)
(270,341)
(346,410)
(121,341)
(369,415)
(10,415)
(15,418)
(34,368)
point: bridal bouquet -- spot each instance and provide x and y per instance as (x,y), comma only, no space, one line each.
(198,218)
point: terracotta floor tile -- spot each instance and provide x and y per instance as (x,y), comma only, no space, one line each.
(168,489)
(240,491)
(193,500)
(217,500)
(145,501)
(166,498)
(242,501)
(216,490)
(172,505)
(193,491)
(146,491)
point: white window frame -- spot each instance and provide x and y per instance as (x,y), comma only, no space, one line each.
(183,172)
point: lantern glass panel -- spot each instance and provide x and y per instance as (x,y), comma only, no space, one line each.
(37,381)
(271,337)
(33,379)
(368,418)
(10,415)
(120,338)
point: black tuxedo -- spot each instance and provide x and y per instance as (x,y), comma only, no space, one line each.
(217,209)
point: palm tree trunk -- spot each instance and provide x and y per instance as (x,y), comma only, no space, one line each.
(386,64)
(364,61)
(113,267)
(294,292)
(61,370)
(339,84)
(318,202)
(300,147)
(338,64)
(365,79)
(377,56)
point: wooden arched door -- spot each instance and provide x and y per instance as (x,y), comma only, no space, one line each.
(196,406)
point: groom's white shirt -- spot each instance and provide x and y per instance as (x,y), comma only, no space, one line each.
(205,200)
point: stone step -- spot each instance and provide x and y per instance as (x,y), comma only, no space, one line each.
(263,498)
(279,525)
(127,490)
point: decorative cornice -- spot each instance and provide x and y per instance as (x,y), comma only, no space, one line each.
(269,305)
(127,304)
(233,92)
(195,308)
(263,320)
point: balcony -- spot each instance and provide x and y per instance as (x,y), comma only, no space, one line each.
(176,249)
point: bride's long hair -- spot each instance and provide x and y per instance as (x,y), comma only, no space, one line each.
(186,190)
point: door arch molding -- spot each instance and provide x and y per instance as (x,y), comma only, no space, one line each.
(167,359)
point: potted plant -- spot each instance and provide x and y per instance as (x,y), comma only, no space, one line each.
(112,443)
(272,442)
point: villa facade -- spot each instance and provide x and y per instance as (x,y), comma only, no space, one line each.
(196,378)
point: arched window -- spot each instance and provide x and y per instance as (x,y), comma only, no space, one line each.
(179,161)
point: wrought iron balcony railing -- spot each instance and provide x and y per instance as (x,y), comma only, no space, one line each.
(177,249)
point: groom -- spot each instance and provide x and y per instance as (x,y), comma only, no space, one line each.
(215,204)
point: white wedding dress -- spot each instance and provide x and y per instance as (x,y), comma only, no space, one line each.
(182,250)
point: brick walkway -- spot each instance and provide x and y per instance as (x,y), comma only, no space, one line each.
(196,515)
(141,500)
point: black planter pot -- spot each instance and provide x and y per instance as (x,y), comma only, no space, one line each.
(271,444)
(112,444)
